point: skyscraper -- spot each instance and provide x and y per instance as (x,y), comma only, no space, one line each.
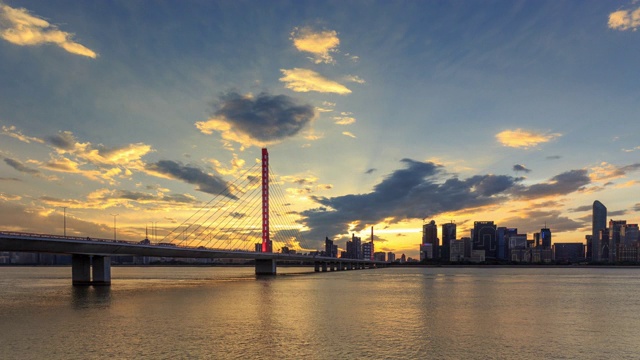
(484,238)
(545,238)
(615,228)
(448,235)
(598,222)
(430,236)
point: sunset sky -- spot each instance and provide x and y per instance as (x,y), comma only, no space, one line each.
(375,113)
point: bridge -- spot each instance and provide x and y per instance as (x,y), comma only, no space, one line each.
(91,257)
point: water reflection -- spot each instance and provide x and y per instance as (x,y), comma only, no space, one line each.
(90,297)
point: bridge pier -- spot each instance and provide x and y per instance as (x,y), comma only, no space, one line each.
(81,266)
(316,266)
(265,266)
(324,267)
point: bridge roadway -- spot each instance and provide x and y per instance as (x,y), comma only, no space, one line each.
(93,253)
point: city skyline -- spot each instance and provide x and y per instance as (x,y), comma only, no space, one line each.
(376,115)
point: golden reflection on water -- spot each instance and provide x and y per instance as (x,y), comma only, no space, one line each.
(219,313)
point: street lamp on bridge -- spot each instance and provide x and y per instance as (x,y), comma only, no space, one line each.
(114,226)
(64,216)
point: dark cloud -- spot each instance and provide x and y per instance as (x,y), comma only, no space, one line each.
(616,213)
(533,221)
(582,208)
(370,171)
(9,179)
(211,184)
(637,207)
(554,157)
(522,168)
(414,192)
(628,168)
(561,184)
(265,118)
(422,189)
(17,165)
(62,140)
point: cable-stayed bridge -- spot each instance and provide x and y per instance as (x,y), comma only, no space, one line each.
(236,224)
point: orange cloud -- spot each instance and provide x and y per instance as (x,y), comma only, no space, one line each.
(27,30)
(305,80)
(520,138)
(319,43)
(624,20)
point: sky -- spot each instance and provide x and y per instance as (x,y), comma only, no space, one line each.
(375,113)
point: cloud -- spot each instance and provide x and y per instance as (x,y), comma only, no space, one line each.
(413,192)
(533,220)
(355,79)
(554,157)
(425,189)
(582,208)
(522,168)
(9,179)
(305,80)
(19,166)
(520,138)
(624,20)
(344,120)
(631,150)
(257,121)
(636,207)
(616,213)
(562,184)
(319,43)
(16,134)
(371,171)
(347,133)
(606,171)
(208,183)
(19,27)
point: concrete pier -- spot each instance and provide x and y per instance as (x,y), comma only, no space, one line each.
(265,266)
(101,270)
(82,266)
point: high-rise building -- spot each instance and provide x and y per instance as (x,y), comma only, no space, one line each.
(379,256)
(605,249)
(501,238)
(367,251)
(588,239)
(484,238)
(354,248)
(430,236)
(330,249)
(598,222)
(629,234)
(448,234)
(545,238)
(615,227)
(391,257)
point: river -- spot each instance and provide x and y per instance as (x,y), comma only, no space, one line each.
(394,313)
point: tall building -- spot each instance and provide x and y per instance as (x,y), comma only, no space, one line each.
(588,239)
(430,236)
(545,238)
(354,248)
(391,257)
(605,249)
(330,249)
(615,228)
(484,238)
(367,251)
(629,234)
(598,222)
(448,234)
(501,238)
